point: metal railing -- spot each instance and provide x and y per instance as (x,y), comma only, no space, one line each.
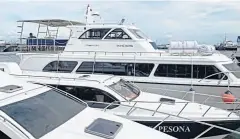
(41,44)
(205,97)
(58,78)
(165,92)
(168,115)
(160,54)
(159,104)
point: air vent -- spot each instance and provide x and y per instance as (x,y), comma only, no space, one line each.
(84,76)
(167,101)
(10,88)
(104,128)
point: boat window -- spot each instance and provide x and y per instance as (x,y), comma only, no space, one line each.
(91,95)
(61,66)
(123,69)
(3,135)
(234,68)
(184,71)
(43,113)
(154,45)
(117,34)
(126,89)
(95,33)
(138,33)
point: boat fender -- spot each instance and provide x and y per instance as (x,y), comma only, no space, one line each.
(228,97)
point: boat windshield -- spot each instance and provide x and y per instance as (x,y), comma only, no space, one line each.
(126,89)
(43,113)
(138,33)
(234,67)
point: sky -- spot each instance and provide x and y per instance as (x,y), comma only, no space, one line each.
(206,21)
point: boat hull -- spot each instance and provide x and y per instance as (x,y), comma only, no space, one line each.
(189,129)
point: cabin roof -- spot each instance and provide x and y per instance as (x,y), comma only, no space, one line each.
(53,22)
(20,92)
(111,25)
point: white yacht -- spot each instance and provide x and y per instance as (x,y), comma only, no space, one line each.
(176,117)
(125,51)
(33,111)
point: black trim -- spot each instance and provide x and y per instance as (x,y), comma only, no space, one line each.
(188,129)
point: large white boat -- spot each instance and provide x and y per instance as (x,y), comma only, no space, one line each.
(33,111)
(125,51)
(176,117)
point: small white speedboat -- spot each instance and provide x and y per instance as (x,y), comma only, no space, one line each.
(176,117)
(32,111)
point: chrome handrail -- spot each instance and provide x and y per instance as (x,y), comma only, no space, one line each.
(131,108)
(183,108)
(186,93)
(204,132)
(178,116)
(54,77)
(160,104)
(138,53)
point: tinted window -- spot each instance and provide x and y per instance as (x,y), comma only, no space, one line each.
(233,67)
(61,66)
(90,94)
(154,45)
(184,71)
(94,34)
(117,34)
(181,71)
(124,69)
(126,89)
(43,113)
(138,34)
(3,136)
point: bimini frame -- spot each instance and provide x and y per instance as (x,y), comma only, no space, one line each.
(50,35)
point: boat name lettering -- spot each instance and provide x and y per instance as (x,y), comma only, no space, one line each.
(123,45)
(167,129)
(92,45)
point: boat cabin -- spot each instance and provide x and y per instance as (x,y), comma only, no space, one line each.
(111,37)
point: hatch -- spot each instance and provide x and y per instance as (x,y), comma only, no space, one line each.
(104,128)
(10,88)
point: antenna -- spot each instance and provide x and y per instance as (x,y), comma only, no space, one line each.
(86,14)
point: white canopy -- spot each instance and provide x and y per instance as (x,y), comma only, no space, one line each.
(54,22)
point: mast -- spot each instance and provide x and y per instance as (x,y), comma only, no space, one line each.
(88,14)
